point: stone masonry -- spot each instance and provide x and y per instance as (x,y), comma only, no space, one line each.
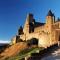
(47,33)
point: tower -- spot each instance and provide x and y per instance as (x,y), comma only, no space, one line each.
(50,18)
(28,24)
(20,30)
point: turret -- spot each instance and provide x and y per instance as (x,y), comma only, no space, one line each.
(20,30)
(50,18)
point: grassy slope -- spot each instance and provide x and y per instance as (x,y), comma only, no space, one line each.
(24,53)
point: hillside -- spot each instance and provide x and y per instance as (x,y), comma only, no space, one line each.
(13,50)
(3,46)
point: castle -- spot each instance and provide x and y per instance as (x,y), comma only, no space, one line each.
(47,33)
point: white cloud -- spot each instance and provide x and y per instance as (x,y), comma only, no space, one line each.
(4,41)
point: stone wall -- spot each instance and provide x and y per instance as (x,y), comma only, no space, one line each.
(47,34)
(39,29)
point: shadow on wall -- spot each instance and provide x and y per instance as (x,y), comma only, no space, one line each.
(32,41)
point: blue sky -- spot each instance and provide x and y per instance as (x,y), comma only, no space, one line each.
(13,14)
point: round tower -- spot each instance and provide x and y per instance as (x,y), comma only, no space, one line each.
(20,30)
(50,18)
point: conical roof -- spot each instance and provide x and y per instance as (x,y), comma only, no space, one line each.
(50,13)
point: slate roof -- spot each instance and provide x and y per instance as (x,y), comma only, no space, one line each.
(50,13)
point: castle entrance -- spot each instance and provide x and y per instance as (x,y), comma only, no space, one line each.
(32,41)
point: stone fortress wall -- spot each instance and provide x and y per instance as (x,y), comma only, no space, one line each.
(47,33)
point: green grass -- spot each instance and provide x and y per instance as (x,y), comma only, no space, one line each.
(24,53)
